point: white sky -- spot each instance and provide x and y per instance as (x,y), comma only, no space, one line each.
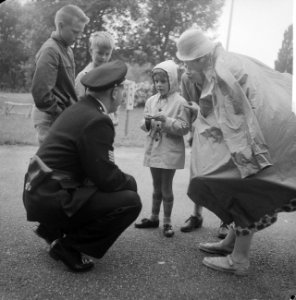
(258,27)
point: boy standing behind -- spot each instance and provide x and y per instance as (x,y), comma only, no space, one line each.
(101,45)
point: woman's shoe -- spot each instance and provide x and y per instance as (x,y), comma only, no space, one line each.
(227,265)
(147,223)
(214,248)
(168,230)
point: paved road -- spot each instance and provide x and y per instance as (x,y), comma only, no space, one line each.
(141,264)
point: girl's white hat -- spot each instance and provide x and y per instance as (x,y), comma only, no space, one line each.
(193,44)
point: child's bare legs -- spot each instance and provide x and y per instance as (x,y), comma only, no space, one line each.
(153,221)
(157,193)
(168,200)
(162,191)
(167,194)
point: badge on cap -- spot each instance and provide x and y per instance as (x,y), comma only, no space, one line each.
(105,76)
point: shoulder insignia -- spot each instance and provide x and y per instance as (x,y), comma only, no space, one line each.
(111,155)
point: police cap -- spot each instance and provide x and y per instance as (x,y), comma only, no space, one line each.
(105,76)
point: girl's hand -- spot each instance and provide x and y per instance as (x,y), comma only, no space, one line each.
(148,117)
(159,117)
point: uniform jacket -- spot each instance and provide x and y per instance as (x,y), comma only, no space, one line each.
(80,143)
(165,146)
(53,81)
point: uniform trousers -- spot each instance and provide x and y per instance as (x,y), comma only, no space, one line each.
(97,225)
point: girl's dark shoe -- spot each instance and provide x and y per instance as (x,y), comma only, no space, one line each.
(146,223)
(168,230)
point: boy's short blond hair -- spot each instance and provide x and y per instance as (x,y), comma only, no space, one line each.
(68,13)
(100,39)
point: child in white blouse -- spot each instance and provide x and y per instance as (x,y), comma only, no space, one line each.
(167,120)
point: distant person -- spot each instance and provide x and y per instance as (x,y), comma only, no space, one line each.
(243,165)
(73,184)
(190,90)
(166,120)
(53,87)
(101,45)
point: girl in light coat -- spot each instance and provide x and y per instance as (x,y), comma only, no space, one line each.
(166,120)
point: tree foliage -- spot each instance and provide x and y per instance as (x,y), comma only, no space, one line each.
(144,30)
(284,62)
(152,39)
(13,53)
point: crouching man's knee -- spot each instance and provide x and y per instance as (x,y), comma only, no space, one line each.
(133,200)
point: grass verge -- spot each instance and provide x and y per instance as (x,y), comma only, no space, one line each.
(16,129)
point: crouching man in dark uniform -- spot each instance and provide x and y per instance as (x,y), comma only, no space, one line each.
(73,186)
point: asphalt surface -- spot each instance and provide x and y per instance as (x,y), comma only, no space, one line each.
(142,264)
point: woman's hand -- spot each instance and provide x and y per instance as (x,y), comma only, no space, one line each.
(193,108)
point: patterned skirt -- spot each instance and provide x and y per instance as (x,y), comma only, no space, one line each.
(252,204)
(266,220)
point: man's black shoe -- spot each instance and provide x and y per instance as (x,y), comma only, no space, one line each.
(47,233)
(147,223)
(70,257)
